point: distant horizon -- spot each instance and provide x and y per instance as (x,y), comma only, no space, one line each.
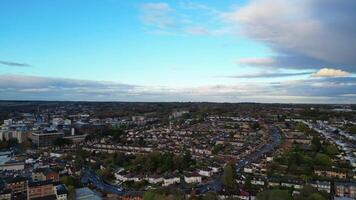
(83,101)
(267,51)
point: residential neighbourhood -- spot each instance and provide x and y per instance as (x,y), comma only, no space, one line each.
(70,152)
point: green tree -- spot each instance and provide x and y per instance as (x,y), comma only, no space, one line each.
(210,196)
(274,194)
(316,144)
(68,180)
(229,176)
(60,142)
(217,148)
(331,150)
(316,196)
(71,192)
(187,159)
(322,160)
(306,191)
(256,126)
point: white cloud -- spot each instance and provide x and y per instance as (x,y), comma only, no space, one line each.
(185,18)
(157,14)
(197,30)
(328,72)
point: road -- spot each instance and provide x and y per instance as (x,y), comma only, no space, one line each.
(275,141)
(90,177)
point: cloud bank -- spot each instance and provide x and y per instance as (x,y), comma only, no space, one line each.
(327,90)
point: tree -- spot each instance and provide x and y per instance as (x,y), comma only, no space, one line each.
(217,148)
(274,194)
(229,176)
(302,127)
(69,181)
(306,191)
(255,126)
(162,195)
(187,159)
(316,144)
(322,160)
(210,196)
(71,191)
(316,196)
(331,150)
(7,144)
(167,164)
(60,142)
(106,173)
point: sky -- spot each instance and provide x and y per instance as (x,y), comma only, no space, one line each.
(268,51)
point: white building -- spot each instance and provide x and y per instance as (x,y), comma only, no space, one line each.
(193,178)
(155,179)
(205,172)
(170,180)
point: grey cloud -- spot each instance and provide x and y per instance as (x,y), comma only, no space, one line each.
(312,33)
(14,64)
(269,75)
(336,87)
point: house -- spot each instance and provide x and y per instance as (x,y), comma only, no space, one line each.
(41,189)
(321,185)
(192,178)
(345,189)
(155,179)
(292,183)
(170,180)
(18,186)
(205,172)
(214,169)
(259,180)
(274,182)
(248,170)
(228,194)
(123,177)
(43,174)
(331,172)
(61,192)
(5,194)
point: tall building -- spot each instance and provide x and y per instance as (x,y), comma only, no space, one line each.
(45,139)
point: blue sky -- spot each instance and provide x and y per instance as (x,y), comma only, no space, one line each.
(187,50)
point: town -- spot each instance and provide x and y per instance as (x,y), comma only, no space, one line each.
(82,150)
